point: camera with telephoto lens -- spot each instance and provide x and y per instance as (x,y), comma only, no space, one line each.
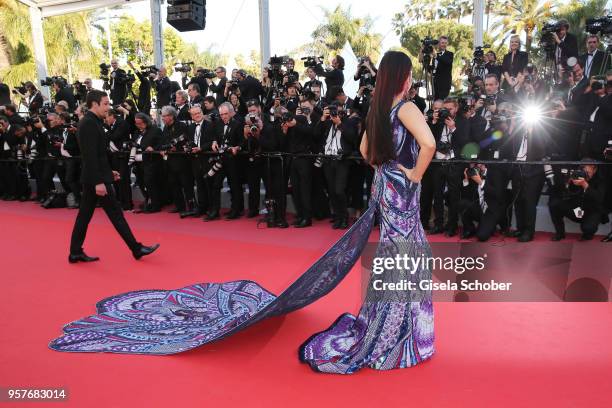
(599,82)
(473,171)
(576,174)
(287,117)
(124,78)
(104,71)
(214,116)
(443,114)
(333,110)
(488,99)
(497,121)
(253,120)
(173,143)
(217,164)
(602,25)
(233,85)
(478,56)
(305,111)
(428,44)
(183,67)
(443,147)
(465,103)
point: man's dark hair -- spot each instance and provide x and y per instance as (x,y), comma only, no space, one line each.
(3,119)
(65,116)
(211,99)
(94,96)
(195,87)
(564,24)
(10,108)
(340,61)
(492,76)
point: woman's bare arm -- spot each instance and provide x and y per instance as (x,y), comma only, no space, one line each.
(415,122)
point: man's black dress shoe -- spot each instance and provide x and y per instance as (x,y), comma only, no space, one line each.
(557,236)
(585,237)
(304,223)
(513,234)
(252,214)
(144,251)
(232,215)
(74,258)
(281,224)
(450,232)
(607,238)
(467,234)
(436,230)
(211,216)
(175,210)
(297,221)
(525,237)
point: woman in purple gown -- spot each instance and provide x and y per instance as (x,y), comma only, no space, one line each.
(392,329)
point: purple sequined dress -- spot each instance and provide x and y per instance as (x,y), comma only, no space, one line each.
(391,332)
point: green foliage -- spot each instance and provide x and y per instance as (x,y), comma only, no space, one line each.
(340,26)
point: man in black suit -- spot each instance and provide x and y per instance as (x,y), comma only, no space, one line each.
(97,178)
(219,88)
(337,136)
(250,87)
(567,44)
(195,96)
(163,88)
(333,77)
(63,92)
(34,99)
(582,201)
(147,161)
(593,59)
(443,70)
(228,137)
(117,83)
(199,141)
(118,135)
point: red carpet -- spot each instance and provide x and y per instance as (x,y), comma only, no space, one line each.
(487,354)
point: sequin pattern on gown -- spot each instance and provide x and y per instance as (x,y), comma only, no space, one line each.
(384,335)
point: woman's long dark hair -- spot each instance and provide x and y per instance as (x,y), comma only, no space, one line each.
(394,70)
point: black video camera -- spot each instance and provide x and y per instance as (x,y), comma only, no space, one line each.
(207,73)
(310,62)
(602,25)
(149,70)
(576,174)
(48,81)
(104,71)
(428,44)
(443,114)
(183,67)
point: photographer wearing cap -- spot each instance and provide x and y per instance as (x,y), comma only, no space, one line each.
(582,201)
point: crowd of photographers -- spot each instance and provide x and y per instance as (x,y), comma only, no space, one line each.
(500,145)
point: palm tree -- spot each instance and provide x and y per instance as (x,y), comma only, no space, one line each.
(16,63)
(518,16)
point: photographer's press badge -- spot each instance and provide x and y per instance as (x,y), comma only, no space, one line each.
(578,212)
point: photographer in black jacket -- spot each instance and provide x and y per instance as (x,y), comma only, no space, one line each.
(338,137)
(147,162)
(219,88)
(228,140)
(333,77)
(180,178)
(254,127)
(451,132)
(250,87)
(199,141)
(118,134)
(144,89)
(443,69)
(68,150)
(582,201)
(63,92)
(117,83)
(163,88)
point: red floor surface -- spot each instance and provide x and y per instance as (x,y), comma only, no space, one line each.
(487,354)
